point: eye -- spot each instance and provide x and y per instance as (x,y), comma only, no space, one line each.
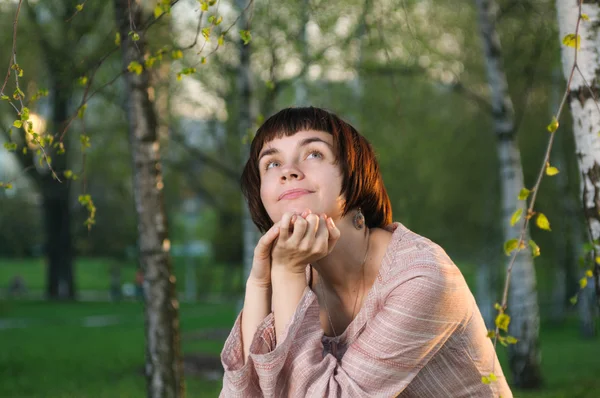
(272,163)
(316,153)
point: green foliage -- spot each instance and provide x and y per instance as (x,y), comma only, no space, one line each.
(572,40)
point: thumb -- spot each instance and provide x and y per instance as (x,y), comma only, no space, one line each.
(263,248)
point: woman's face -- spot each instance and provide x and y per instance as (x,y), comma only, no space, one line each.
(299,172)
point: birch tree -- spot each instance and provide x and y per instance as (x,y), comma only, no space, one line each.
(247,114)
(164,367)
(579,27)
(524,357)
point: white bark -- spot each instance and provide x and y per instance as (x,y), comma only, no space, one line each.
(522,304)
(247,113)
(585,111)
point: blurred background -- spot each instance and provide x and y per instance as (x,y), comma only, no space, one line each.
(409,75)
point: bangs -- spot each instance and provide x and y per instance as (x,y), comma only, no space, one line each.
(292,120)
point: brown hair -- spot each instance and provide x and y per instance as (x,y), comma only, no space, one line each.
(362,184)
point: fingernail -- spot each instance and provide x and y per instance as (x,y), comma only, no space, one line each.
(331,222)
(294,217)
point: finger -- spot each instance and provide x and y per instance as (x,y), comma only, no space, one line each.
(306,213)
(263,248)
(285,224)
(299,230)
(311,230)
(322,230)
(334,232)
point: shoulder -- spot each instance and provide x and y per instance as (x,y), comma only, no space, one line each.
(415,260)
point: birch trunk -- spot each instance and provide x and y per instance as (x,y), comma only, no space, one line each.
(246,115)
(584,110)
(164,368)
(524,357)
(300,85)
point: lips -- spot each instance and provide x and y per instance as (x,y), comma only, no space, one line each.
(294,193)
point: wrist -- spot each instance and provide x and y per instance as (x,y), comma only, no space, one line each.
(282,275)
(258,284)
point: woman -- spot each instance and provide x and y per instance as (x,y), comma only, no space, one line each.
(340,301)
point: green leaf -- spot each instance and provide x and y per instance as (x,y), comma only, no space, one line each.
(516,217)
(176,54)
(511,340)
(510,245)
(204,6)
(219,20)
(245,36)
(5,98)
(24,114)
(535,249)
(573,300)
(82,80)
(10,146)
(79,7)
(18,69)
(18,124)
(68,174)
(135,67)
(485,380)
(502,321)
(81,111)
(572,40)
(117,39)
(158,11)
(551,171)
(221,40)
(491,334)
(493,377)
(85,141)
(212,19)
(542,222)
(585,17)
(206,33)
(497,307)
(583,283)
(589,273)
(553,126)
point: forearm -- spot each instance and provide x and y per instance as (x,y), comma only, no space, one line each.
(257,305)
(288,288)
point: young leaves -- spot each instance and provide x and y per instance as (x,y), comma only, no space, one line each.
(542,222)
(572,40)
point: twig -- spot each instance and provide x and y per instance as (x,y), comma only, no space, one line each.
(540,176)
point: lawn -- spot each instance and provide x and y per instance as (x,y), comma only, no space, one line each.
(93,274)
(56,356)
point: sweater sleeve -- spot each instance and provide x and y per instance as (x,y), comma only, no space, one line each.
(240,379)
(417,318)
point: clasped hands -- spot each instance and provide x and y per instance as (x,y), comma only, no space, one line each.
(292,243)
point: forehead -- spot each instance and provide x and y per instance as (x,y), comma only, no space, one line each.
(294,139)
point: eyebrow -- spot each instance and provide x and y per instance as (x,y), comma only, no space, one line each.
(304,142)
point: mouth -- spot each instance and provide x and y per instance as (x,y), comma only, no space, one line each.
(294,193)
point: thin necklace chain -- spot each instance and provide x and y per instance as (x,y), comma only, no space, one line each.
(356,298)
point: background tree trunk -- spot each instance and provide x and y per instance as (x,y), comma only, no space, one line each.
(247,114)
(57,210)
(164,367)
(584,109)
(524,357)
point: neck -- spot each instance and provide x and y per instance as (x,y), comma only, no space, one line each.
(342,271)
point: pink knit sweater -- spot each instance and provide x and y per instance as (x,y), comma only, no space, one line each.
(418,334)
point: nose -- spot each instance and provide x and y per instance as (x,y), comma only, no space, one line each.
(291,172)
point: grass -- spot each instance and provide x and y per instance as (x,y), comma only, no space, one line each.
(94,274)
(58,357)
